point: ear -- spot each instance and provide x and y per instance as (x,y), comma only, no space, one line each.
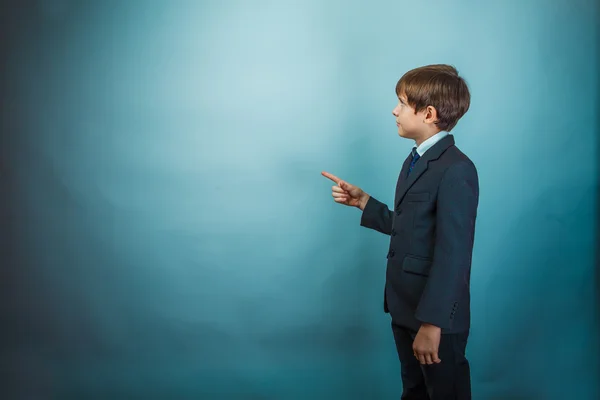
(430,115)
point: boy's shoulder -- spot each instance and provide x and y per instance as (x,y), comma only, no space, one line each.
(457,162)
(454,155)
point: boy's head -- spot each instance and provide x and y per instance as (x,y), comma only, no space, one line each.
(431,98)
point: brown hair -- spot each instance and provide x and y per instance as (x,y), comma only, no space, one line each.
(438,86)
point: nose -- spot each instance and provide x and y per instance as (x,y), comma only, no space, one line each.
(395,112)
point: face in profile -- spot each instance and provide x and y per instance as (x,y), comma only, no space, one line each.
(407,121)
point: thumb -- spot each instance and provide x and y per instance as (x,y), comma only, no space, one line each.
(346,186)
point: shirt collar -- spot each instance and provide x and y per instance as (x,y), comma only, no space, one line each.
(427,144)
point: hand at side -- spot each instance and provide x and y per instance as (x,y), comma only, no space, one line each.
(426,344)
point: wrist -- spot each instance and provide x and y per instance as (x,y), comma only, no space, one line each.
(363,201)
(430,327)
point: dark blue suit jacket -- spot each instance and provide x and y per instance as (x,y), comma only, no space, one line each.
(431,228)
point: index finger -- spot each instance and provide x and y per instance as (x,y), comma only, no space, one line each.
(331,176)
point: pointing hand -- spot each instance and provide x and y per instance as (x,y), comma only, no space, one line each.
(346,193)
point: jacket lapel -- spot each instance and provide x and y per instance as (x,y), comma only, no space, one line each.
(403,171)
(420,167)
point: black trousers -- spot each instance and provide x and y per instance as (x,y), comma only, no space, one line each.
(448,380)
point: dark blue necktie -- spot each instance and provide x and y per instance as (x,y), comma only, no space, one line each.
(415,158)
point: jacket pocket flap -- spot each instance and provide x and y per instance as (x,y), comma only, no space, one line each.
(419,266)
(423,196)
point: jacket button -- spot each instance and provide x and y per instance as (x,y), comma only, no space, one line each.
(393,232)
(391,253)
(397,212)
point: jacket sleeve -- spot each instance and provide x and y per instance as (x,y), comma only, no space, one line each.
(377,216)
(449,276)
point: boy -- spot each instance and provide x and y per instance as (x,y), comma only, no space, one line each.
(431,228)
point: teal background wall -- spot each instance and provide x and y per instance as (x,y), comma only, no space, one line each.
(166,232)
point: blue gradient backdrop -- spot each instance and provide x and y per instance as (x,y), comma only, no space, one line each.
(166,233)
